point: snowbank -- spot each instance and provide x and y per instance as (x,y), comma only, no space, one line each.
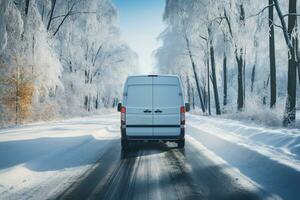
(270,157)
(282,142)
(256,114)
(43,159)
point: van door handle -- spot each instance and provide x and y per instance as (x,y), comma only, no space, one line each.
(158,111)
(147,111)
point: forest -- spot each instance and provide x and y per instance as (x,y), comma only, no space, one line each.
(60,58)
(150,99)
(236,58)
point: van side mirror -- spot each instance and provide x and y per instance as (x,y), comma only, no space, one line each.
(119,107)
(187,107)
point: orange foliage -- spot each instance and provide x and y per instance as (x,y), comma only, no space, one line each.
(26,94)
(19,91)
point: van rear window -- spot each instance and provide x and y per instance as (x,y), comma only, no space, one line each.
(139,96)
(166,96)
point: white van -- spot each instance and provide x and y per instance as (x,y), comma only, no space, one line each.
(153,109)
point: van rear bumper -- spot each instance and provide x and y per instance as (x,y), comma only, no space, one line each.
(154,138)
(124,136)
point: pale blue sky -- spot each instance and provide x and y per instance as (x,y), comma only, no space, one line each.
(141,23)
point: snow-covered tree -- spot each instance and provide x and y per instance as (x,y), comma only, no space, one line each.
(72,50)
(228,42)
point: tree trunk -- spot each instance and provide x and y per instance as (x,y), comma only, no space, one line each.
(272,57)
(204,95)
(253,77)
(290,109)
(17,98)
(297,51)
(244,77)
(51,14)
(193,97)
(33,52)
(266,85)
(27,7)
(214,78)
(255,63)
(298,57)
(195,74)
(224,79)
(240,63)
(85,102)
(208,85)
(43,11)
(17,104)
(188,88)
(240,97)
(239,58)
(298,72)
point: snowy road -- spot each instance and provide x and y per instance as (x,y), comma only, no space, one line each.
(81,158)
(157,171)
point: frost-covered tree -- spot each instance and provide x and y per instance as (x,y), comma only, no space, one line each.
(25,40)
(70,49)
(95,60)
(231,43)
(290,34)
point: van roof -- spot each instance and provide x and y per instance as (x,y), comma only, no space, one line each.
(154,75)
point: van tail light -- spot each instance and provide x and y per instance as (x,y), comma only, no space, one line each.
(182,115)
(123,116)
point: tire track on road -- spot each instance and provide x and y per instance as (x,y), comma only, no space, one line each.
(87,182)
(157,171)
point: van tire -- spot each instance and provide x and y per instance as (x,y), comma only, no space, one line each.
(124,144)
(181,143)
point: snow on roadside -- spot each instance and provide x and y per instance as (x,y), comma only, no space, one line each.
(269,157)
(244,181)
(41,160)
(280,144)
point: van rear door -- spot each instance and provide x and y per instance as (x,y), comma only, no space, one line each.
(167,99)
(139,106)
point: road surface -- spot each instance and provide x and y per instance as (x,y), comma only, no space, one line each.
(82,159)
(158,171)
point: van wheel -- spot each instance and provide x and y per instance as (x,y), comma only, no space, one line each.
(124,144)
(181,143)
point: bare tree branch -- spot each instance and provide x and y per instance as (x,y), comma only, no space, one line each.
(261,11)
(51,14)
(284,27)
(65,17)
(278,26)
(98,51)
(202,37)
(291,14)
(74,13)
(228,23)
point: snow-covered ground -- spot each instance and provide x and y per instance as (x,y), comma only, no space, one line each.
(39,160)
(270,157)
(282,145)
(43,159)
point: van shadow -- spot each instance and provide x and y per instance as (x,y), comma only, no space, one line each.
(139,149)
(49,154)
